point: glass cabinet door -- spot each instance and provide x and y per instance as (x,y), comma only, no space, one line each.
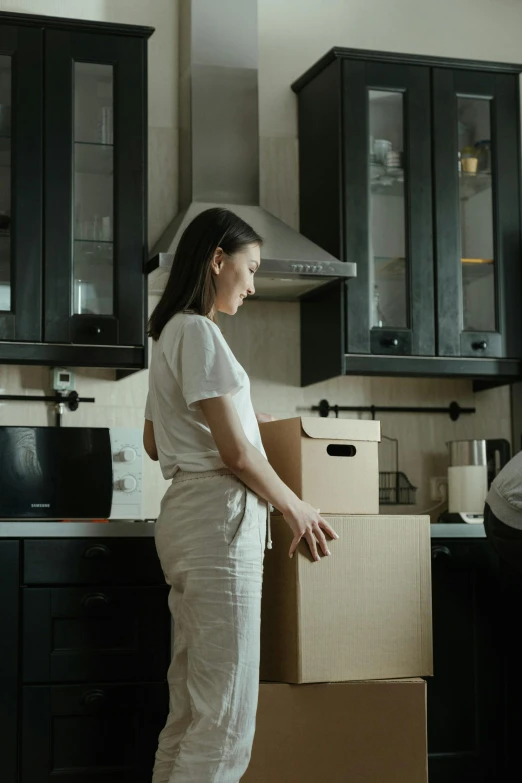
(476,162)
(93,263)
(475,168)
(95,180)
(389,295)
(20,183)
(388,209)
(6,74)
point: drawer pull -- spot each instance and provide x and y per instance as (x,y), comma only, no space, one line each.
(100,550)
(390,342)
(480,346)
(440,551)
(94,698)
(95,601)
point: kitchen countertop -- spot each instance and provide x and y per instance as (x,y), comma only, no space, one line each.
(448,530)
(139,529)
(52,529)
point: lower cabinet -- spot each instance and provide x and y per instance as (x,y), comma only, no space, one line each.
(9,623)
(85,634)
(468,713)
(84,651)
(90,733)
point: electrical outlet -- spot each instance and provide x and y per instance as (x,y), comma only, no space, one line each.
(439,488)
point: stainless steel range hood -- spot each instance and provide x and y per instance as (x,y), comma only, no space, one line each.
(219,150)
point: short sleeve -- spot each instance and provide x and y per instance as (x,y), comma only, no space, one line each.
(208,368)
(148,408)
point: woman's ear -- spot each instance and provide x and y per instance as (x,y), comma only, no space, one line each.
(217,261)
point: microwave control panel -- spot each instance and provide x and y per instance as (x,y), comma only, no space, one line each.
(127,472)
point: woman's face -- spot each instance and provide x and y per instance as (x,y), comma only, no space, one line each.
(234,277)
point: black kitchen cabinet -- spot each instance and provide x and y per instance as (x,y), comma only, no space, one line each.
(468,712)
(73,164)
(98,732)
(409,166)
(83,659)
(9,623)
(80,634)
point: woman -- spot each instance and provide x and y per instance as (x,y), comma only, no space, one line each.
(200,424)
(503,517)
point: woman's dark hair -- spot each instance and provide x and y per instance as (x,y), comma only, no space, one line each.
(191,283)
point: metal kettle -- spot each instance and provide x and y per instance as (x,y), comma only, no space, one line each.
(493,453)
(473,466)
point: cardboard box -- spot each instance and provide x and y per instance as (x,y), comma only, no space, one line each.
(360,732)
(331,463)
(362,614)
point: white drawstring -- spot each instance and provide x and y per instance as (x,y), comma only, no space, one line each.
(269,509)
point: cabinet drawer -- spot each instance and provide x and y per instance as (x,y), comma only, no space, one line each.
(125,561)
(82,634)
(94,330)
(394,342)
(91,733)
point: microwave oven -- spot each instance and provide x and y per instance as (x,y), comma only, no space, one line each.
(70,473)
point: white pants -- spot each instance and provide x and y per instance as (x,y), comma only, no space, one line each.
(210,538)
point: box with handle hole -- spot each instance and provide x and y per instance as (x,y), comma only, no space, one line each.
(330,463)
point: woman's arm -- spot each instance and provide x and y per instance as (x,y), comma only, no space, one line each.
(255,471)
(149,441)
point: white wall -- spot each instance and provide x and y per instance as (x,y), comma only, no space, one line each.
(293,35)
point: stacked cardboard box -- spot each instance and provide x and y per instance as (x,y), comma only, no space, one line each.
(357,624)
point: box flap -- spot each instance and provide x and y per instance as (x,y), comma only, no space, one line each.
(341,429)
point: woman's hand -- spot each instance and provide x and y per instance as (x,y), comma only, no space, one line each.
(306,522)
(264,417)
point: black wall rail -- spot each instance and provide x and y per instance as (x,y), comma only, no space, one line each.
(453,410)
(72,400)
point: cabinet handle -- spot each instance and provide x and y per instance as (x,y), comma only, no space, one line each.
(100,550)
(440,551)
(95,600)
(94,698)
(480,346)
(390,342)
(97,330)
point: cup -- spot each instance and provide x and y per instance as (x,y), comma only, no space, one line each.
(381,147)
(469,165)
(85,302)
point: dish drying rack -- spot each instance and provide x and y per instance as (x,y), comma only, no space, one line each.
(395,488)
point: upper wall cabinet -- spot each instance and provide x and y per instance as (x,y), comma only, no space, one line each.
(409,167)
(73,143)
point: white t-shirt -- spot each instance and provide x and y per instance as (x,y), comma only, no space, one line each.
(191,361)
(505,494)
